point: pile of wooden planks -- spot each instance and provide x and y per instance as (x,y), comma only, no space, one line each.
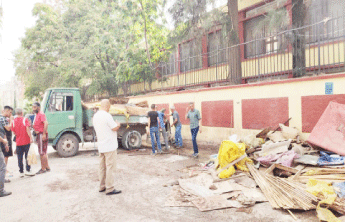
(143,104)
(324,174)
(118,100)
(339,205)
(282,193)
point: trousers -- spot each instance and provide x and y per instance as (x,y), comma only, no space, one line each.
(107,168)
(194,132)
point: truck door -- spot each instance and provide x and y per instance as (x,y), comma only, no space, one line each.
(60,112)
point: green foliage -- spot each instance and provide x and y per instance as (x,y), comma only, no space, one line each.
(107,44)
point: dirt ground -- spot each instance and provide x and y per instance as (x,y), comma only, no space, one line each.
(70,191)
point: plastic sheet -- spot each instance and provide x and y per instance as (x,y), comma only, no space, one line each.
(325,191)
(327,159)
(229,152)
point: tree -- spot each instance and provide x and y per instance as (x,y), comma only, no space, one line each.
(299,11)
(192,19)
(99,43)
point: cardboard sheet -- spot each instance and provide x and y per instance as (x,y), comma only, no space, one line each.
(329,132)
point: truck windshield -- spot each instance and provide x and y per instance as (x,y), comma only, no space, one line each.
(44,101)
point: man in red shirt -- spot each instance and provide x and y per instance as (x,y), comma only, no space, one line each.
(21,128)
(40,125)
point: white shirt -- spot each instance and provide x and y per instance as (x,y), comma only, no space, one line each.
(103,122)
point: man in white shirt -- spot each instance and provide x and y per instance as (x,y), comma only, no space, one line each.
(106,128)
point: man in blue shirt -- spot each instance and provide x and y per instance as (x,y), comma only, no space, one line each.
(178,127)
(194,118)
(162,119)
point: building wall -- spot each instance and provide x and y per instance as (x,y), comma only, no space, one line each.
(246,109)
(276,64)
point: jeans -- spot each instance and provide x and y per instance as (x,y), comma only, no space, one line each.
(194,134)
(178,136)
(21,151)
(2,171)
(154,132)
(165,136)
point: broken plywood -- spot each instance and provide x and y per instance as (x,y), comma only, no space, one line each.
(198,185)
(215,203)
(179,198)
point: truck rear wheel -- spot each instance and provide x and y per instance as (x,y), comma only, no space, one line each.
(131,140)
(68,145)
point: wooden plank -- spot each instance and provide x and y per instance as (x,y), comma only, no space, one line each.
(231,164)
(279,166)
(270,169)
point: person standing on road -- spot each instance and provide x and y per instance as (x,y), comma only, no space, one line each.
(4,142)
(40,125)
(154,131)
(178,127)
(106,130)
(162,118)
(194,117)
(21,128)
(6,119)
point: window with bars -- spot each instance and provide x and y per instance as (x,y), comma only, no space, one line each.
(169,67)
(190,55)
(216,48)
(329,11)
(261,40)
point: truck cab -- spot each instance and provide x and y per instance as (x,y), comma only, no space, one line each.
(69,123)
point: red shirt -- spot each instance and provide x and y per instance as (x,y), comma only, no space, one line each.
(39,122)
(19,128)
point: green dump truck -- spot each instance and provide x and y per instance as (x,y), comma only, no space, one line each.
(70,123)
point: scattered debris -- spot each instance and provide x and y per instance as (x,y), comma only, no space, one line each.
(233,177)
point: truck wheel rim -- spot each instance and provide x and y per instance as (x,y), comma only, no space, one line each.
(68,145)
(133,139)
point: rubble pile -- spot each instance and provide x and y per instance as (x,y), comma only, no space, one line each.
(273,166)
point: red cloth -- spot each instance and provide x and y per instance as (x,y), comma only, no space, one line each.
(329,132)
(39,122)
(19,129)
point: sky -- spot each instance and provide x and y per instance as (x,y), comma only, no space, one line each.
(16,18)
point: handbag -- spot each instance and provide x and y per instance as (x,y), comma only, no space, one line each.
(32,159)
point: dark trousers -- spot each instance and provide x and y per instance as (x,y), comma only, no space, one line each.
(194,134)
(21,150)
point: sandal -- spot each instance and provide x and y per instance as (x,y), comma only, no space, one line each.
(41,171)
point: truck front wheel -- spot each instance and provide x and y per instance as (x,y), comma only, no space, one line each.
(131,140)
(68,145)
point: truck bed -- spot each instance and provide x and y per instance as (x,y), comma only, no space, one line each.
(133,119)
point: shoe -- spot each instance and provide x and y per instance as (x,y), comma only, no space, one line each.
(153,154)
(114,192)
(101,191)
(7,181)
(22,175)
(41,171)
(195,155)
(48,169)
(5,193)
(28,173)
(160,151)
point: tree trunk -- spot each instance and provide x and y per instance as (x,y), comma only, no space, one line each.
(234,53)
(298,45)
(125,89)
